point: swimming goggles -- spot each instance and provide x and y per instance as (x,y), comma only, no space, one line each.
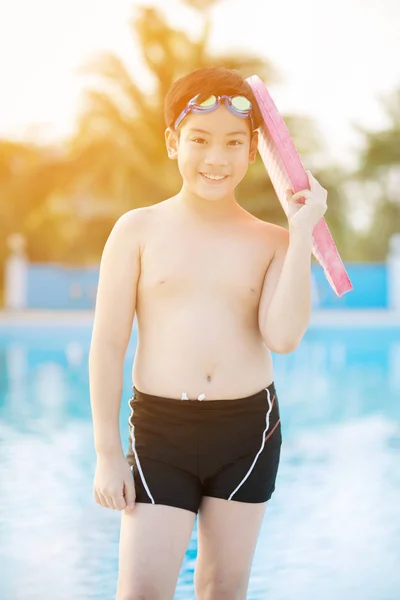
(237,105)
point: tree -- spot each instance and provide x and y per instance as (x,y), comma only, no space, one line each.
(123,127)
(376,183)
(66,200)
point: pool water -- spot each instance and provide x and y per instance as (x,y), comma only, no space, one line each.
(331,529)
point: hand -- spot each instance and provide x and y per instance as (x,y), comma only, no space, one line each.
(113,483)
(304,217)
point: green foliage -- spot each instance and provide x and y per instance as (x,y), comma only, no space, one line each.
(66,202)
(127,126)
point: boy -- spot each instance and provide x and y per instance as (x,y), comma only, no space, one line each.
(215,290)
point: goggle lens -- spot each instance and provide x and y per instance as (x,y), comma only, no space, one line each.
(209,102)
(238,102)
(241,103)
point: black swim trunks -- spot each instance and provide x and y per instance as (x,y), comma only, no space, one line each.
(182,450)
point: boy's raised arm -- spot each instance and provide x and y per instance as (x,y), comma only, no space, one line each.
(114,314)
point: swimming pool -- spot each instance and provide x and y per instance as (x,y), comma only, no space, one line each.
(332,527)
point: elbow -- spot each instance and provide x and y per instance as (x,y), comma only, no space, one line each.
(281,341)
(282,346)
(286,348)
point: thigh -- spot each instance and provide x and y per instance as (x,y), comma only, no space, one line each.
(153,542)
(227,538)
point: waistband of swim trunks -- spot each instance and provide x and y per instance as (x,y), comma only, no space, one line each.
(260,396)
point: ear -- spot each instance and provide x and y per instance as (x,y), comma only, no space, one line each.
(172,143)
(253,147)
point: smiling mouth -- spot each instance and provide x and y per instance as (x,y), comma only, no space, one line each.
(211,177)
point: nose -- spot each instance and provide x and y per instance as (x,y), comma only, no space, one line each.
(216,158)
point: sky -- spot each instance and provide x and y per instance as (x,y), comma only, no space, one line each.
(335,59)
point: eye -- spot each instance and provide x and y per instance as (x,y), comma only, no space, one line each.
(235,143)
(199,140)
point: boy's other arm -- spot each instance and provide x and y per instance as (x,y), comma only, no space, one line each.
(285,301)
(114,314)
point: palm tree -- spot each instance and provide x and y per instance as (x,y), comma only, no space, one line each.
(120,144)
(65,204)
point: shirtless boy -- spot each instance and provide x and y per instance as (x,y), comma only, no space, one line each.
(215,290)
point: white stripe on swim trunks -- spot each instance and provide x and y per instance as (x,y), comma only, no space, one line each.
(260,450)
(146,487)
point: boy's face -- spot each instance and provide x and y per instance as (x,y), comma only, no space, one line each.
(217,144)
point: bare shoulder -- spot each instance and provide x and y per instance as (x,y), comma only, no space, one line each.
(278,235)
(275,236)
(131,226)
(132,229)
(134,218)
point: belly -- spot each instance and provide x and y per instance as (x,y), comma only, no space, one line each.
(201,349)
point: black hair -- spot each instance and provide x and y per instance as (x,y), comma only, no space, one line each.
(206,81)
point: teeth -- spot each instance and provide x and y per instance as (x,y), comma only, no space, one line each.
(215,177)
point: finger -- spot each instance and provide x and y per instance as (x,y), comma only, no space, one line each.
(315,186)
(111,499)
(119,502)
(96,497)
(103,500)
(312,182)
(311,178)
(303,194)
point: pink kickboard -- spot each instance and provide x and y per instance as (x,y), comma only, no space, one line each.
(286,170)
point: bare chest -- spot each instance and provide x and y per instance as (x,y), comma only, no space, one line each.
(178,263)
